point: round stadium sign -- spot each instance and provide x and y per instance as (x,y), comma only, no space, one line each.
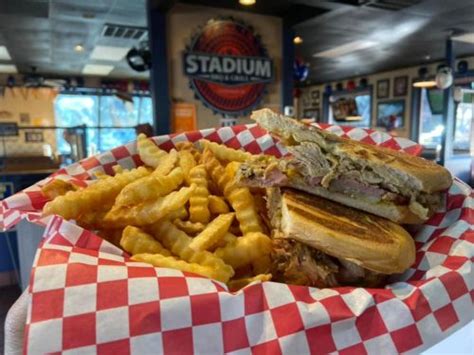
(228,66)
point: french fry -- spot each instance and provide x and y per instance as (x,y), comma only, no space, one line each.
(213,232)
(96,196)
(245,210)
(243,203)
(150,211)
(100,175)
(149,152)
(237,284)
(94,220)
(186,162)
(167,163)
(57,187)
(245,249)
(217,205)
(197,155)
(189,227)
(179,214)
(136,241)
(198,203)
(215,169)
(240,198)
(118,169)
(178,242)
(224,153)
(189,147)
(228,238)
(184,146)
(229,178)
(173,263)
(149,187)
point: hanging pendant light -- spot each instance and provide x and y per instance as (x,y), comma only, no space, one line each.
(444,77)
(424,80)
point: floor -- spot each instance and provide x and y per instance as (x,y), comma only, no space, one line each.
(8,296)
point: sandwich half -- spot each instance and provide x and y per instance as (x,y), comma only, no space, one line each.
(321,243)
(382,181)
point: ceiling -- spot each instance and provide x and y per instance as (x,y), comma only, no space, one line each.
(405,37)
(43,33)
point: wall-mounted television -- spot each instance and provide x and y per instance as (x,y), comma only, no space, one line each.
(345,109)
(436,101)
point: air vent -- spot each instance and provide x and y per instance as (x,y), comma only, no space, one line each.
(392,5)
(124,32)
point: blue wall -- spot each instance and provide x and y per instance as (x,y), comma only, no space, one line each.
(6,262)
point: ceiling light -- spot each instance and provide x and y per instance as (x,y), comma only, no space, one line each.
(114,54)
(466,37)
(247,2)
(4,55)
(345,49)
(79,48)
(297,40)
(8,68)
(353,118)
(97,69)
(428,83)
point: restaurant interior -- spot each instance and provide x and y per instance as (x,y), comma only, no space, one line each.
(78,78)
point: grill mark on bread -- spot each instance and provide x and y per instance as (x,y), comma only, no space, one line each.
(353,222)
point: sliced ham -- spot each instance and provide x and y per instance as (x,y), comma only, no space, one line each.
(352,186)
(348,185)
(274,176)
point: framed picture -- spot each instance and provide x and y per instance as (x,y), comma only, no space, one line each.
(311,113)
(25,118)
(383,89)
(8,129)
(306,100)
(400,86)
(34,137)
(391,114)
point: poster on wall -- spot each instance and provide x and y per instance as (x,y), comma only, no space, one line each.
(34,137)
(228,67)
(8,129)
(184,117)
(391,114)
(400,86)
(383,88)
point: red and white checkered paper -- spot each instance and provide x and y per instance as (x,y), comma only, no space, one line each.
(87,297)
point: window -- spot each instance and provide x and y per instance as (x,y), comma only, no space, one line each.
(109,121)
(431,120)
(351,109)
(431,117)
(464,118)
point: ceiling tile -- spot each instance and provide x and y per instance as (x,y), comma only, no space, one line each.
(4,54)
(108,53)
(97,69)
(8,68)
